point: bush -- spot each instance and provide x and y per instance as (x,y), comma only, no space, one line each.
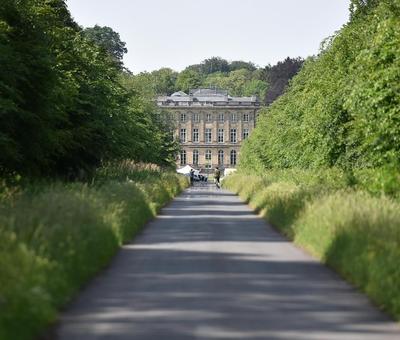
(354,231)
(358,235)
(53,238)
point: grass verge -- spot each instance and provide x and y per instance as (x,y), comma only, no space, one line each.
(352,230)
(55,237)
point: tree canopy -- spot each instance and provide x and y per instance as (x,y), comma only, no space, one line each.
(107,39)
(343,107)
(63,106)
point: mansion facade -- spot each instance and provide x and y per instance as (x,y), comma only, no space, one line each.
(210,125)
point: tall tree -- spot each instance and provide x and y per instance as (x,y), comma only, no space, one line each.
(279,75)
(214,64)
(164,81)
(109,40)
(189,79)
(238,64)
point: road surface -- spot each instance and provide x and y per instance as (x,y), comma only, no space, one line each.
(209,268)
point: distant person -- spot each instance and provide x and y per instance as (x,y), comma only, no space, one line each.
(217,175)
(191,176)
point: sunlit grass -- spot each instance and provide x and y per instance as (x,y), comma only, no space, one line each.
(54,237)
(355,231)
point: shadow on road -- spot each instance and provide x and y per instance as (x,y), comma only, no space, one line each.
(209,268)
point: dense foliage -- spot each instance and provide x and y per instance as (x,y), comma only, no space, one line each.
(353,231)
(240,78)
(63,107)
(106,38)
(54,237)
(322,164)
(279,75)
(343,108)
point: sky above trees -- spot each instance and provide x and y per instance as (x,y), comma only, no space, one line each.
(178,33)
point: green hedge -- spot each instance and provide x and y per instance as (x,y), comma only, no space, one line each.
(351,230)
(54,238)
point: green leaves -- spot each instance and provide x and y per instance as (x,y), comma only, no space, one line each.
(63,109)
(343,108)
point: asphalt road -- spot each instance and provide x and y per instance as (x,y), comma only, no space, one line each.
(209,268)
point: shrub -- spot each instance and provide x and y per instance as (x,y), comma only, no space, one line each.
(354,231)
(53,238)
(359,236)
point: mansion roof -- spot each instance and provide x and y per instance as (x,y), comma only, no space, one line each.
(206,97)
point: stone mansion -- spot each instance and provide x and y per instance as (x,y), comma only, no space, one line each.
(210,125)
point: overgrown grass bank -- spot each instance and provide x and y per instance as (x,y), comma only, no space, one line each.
(55,237)
(354,231)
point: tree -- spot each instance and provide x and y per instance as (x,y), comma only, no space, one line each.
(63,107)
(342,109)
(238,64)
(154,138)
(214,64)
(279,75)
(240,82)
(188,79)
(164,81)
(109,40)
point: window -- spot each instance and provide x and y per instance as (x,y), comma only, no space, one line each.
(183,157)
(245,133)
(195,135)
(221,117)
(233,136)
(245,117)
(196,117)
(233,157)
(220,135)
(183,117)
(195,157)
(221,157)
(208,166)
(208,117)
(234,117)
(208,136)
(182,136)
(208,155)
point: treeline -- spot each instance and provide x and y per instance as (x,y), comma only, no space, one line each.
(66,102)
(240,78)
(322,165)
(343,107)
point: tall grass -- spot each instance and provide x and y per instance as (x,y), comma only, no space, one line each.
(354,230)
(55,237)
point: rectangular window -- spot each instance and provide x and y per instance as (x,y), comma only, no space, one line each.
(221,117)
(196,117)
(208,136)
(220,135)
(195,157)
(183,157)
(245,117)
(208,155)
(221,157)
(183,117)
(245,133)
(233,136)
(182,136)
(208,117)
(234,117)
(195,135)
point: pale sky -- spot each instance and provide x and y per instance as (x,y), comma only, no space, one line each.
(178,33)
